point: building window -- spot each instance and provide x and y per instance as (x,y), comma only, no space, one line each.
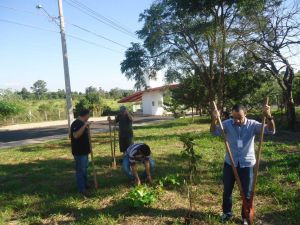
(153,103)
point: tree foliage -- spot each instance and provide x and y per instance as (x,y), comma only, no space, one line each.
(9,108)
(39,88)
(187,37)
(270,36)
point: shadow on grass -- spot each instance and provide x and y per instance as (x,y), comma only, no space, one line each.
(121,208)
(284,137)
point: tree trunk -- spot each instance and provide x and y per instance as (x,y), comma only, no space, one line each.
(289,101)
(290,109)
(221,91)
(193,114)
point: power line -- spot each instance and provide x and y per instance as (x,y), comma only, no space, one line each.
(77,26)
(20,10)
(99,35)
(92,43)
(114,23)
(94,15)
(55,31)
(28,25)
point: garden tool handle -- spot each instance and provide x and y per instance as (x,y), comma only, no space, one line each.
(92,159)
(258,154)
(236,175)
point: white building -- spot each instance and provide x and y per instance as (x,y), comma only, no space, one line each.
(149,101)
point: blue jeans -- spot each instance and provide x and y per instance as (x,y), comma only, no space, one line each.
(246,177)
(81,166)
(127,169)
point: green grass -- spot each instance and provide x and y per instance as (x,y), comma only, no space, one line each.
(37,183)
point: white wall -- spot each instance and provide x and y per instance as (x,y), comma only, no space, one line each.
(157,82)
(148,98)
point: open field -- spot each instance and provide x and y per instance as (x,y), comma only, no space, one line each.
(48,110)
(37,183)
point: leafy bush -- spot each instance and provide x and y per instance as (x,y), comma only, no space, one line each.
(107,111)
(170,181)
(141,196)
(8,109)
(82,104)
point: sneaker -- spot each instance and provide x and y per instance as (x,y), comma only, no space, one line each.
(245,222)
(225,217)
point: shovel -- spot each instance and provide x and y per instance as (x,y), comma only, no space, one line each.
(237,178)
(92,159)
(112,145)
(256,168)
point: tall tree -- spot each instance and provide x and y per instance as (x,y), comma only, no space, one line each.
(93,97)
(39,88)
(195,35)
(272,35)
(190,93)
(24,93)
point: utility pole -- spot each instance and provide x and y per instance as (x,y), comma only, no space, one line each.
(70,115)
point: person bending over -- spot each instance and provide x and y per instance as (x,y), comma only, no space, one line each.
(138,153)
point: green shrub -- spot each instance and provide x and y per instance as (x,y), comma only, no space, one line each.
(141,196)
(170,181)
(8,109)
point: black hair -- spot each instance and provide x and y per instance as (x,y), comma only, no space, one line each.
(145,150)
(239,107)
(84,112)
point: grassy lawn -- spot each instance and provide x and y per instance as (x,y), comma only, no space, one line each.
(37,183)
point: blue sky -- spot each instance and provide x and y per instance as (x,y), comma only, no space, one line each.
(28,55)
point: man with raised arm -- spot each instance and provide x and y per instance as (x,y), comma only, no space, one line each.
(240,133)
(81,149)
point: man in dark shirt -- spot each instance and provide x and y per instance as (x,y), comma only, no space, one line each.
(124,119)
(138,153)
(81,149)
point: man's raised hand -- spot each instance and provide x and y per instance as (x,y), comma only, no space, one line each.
(215,114)
(267,111)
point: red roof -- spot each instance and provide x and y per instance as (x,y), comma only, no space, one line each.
(137,97)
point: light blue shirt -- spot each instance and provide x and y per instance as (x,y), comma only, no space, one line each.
(243,155)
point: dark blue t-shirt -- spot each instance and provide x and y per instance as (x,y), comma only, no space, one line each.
(81,145)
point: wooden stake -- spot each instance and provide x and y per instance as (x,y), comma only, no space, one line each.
(92,159)
(113,164)
(256,168)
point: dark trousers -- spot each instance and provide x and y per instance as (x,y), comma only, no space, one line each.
(127,168)
(124,143)
(246,177)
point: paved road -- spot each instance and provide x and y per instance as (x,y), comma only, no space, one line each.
(18,135)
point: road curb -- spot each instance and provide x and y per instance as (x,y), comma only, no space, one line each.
(13,144)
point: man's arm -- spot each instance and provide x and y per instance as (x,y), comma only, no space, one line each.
(148,169)
(214,120)
(129,115)
(213,126)
(135,174)
(269,118)
(79,133)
